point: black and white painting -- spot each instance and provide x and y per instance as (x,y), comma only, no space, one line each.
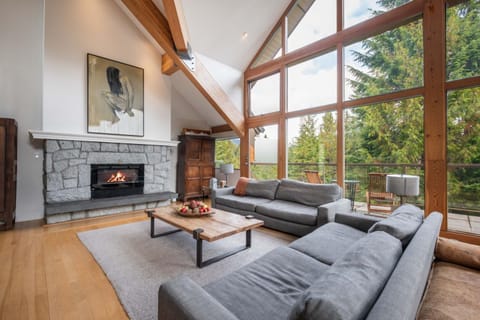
(115,97)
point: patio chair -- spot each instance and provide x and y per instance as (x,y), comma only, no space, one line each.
(378,199)
(313,176)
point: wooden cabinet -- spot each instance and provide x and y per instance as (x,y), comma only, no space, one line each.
(8,170)
(196,165)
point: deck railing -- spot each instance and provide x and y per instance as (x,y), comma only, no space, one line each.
(462,198)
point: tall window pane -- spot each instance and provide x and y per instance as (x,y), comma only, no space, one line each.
(384,138)
(389,62)
(313,82)
(265,95)
(227,151)
(463,40)
(312,147)
(463,121)
(309,21)
(263,152)
(356,11)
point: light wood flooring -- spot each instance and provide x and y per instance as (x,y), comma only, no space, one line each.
(47,273)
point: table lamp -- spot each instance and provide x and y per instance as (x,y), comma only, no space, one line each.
(226,169)
(403,185)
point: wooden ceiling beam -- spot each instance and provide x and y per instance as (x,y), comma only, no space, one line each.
(178,25)
(220,129)
(150,17)
(169,66)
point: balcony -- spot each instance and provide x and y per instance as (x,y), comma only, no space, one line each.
(463,200)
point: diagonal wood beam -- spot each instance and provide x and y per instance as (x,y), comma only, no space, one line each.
(148,15)
(178,25)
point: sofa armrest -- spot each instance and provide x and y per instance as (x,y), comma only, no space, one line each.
(356,220)
(183,299)
(220,192)
(327,211)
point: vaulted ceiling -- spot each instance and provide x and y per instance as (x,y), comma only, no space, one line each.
(216,31)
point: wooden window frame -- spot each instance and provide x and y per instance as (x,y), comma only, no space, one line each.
(434,91)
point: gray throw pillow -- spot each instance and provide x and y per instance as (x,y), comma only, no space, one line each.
(402,224)
(262,188)
(350,287)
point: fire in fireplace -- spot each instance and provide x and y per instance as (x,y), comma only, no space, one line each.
(115,180)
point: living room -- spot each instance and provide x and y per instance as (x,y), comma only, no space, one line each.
(238,89)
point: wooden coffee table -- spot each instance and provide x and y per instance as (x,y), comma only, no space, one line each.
(220,225)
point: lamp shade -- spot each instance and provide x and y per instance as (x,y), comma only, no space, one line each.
(403,184)
(226,168)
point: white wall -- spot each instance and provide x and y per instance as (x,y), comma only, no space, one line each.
(21,59)
(75,28)
(185,116)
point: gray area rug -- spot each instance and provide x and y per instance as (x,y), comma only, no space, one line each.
(136,264)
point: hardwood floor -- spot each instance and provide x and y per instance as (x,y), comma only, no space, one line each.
(47,273)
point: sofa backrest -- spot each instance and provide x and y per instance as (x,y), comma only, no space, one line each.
(309,194)
(262,188)
(403,292)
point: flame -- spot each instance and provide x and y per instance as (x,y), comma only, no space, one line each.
(117,177)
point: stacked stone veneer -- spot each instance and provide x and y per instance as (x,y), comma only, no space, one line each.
(67,171)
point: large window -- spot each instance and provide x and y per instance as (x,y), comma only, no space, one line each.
(384,138)
(309,21)
(356,11)
(227,151)
(463,119)
(376,79)
(313,82)
(385,63)
(312,146)
(265,95)
(264,152)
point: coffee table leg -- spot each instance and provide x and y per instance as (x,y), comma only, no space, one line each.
(201,263)
(152,226)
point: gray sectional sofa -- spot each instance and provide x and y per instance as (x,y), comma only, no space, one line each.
(290,206)
(353,268)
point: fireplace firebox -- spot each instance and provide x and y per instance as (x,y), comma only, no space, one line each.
(116,180)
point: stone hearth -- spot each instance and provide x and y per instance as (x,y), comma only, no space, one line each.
(67,173)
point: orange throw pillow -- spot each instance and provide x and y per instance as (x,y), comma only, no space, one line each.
(241,187)
(458,252)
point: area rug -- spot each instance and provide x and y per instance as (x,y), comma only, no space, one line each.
(136,264)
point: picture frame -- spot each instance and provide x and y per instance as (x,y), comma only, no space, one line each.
(115,95)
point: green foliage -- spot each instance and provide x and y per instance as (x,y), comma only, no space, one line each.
(227,151)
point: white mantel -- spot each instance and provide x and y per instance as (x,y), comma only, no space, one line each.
(44,135)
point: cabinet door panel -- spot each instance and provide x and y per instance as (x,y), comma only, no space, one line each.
(193,150)
(192,186)
(208,151)
(207,171)
(192,171)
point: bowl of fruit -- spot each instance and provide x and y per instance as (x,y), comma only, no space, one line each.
(194,208)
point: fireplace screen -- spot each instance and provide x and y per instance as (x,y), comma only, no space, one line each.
(114,180)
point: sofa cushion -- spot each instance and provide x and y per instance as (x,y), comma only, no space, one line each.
(349,288)
(329,242)
(402,224)
(268,287)
(241,187)
(289,211)
(243,203)
(262,188)
(309,194)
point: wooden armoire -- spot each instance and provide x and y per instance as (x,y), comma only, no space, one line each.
(8,172)
(196,165)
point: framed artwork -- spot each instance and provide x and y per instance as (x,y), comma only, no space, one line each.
(115,97)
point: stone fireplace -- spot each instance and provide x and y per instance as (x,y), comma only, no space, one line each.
(77,173)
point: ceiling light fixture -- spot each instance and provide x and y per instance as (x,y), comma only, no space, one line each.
(244,35)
